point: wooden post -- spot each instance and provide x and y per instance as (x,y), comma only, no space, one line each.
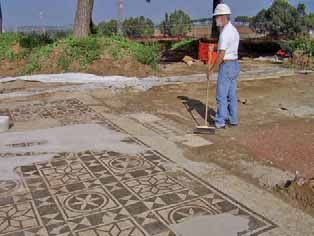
(210,63)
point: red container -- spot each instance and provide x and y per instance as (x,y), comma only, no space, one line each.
(203,50)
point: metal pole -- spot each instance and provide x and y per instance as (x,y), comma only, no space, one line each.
(120,15)
(41,18)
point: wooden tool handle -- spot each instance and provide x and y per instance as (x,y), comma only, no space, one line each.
(210,53)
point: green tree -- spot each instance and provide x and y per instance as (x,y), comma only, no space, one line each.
(301,9)
(258,23)
(309,21)
(108,28)
(177,24)
(280,19)
(83,24)
(215,31)
(138,27)
(165,25)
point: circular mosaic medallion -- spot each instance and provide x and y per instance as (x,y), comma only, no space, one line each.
(7,186)
(126,163)
(182,213)
(82,202)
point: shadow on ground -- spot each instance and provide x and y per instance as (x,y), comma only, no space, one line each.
(194,104)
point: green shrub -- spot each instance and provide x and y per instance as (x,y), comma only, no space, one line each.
(138,27)
(148,54)
(108,28)
(37,57)
(58,35)
(31,67)
(34,40)
(7,40)
(84,51)
(36,50)
(304,44)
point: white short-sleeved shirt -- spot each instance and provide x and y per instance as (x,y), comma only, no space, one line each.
(229,40)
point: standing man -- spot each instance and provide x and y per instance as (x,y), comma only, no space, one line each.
(229,69)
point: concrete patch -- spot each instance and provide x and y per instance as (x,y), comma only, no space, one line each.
(192,140)
(218,225)
(35,125)
(24,148)
(75,138)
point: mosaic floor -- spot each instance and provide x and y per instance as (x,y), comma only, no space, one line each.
(106,193)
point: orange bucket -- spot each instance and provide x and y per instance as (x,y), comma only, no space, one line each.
(203,52)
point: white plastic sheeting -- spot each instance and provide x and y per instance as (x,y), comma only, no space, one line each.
(72,78)
(85,82)
(106,81)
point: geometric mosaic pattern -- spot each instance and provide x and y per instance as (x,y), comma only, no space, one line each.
(17,216)
(108,193)
(165,129)
(67,112)
(7,186)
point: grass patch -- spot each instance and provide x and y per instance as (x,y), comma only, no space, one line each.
(34,40)
(37,50)
(146,54)
(117,47)
(84,51)
(37,58)
(7,41)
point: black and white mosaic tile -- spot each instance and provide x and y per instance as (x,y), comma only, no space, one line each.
(107,193)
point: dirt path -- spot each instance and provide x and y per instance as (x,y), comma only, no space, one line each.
(276,117)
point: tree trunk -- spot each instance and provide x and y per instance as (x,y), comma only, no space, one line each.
(0,19)
(83,18)
(215,31)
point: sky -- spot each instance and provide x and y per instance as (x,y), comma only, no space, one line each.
(61,12)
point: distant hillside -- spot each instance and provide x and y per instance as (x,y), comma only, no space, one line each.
(32,28)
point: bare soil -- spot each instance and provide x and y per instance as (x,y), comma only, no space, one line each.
(11,68)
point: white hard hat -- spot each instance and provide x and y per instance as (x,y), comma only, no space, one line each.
(222,9)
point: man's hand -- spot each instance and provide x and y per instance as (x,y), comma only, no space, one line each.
(219,60)
(210,72)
